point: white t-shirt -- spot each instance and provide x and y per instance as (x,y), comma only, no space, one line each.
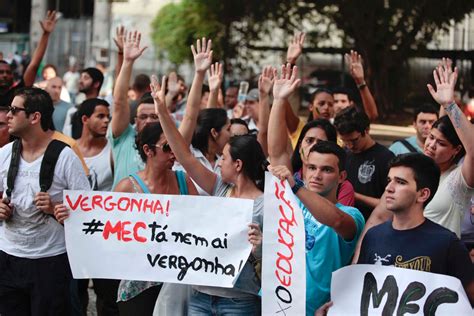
(31,233)
(101,169)
(202,159)
(450,201)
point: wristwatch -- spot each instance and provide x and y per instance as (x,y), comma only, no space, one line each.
(298,185)
(362,85)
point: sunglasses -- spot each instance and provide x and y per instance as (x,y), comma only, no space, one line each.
(14,110)
(165,147)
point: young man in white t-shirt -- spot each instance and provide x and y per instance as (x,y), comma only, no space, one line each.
(34,271)
(93,144)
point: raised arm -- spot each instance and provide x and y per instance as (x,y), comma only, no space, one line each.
(265,84)
(202,61)
(354,63)
(215,76)
(205,178)
(277,131)
(445,80)
(47,25)
(118,40)
(322,209)
(295,48)
(121,112)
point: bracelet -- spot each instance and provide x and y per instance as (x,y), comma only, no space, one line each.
(298,185)
(362,85)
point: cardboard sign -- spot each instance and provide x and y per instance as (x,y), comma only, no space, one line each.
(149,237)
(384,290)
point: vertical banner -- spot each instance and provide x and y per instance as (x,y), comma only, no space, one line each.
(149,237)
(284,258)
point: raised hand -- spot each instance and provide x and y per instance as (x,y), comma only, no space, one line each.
(173,84)
(295,48)
(356,69)
(282,173)
(266,80)
(158,93)
(215,75)
(131,46)
(202,55)
(284,86)
(49,22)
(445,79)
(120,36)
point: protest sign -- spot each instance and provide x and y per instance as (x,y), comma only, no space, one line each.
(284,258)
(384,290)
(170,238)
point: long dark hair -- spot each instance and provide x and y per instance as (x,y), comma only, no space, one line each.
(208,119)
(248,150)
(325,125)
(445,126)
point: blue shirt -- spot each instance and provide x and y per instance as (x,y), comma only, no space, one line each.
(126,157)
(326,252)
(398,148)
(59,114)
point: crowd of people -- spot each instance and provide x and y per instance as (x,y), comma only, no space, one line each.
(361,202)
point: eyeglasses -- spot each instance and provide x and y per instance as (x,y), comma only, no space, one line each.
(152,116)
(15,110)
(165,147)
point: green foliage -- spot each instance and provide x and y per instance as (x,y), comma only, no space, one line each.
(177,26)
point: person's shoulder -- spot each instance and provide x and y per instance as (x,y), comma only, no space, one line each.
(397,148)
(353,212)
(438,231)
(6,151)
(64,104)
(379,229)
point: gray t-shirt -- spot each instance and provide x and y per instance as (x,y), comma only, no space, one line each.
(247,284)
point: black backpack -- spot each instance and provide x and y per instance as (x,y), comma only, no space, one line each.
(48,164)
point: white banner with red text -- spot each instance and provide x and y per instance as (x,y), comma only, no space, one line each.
(149,237)
(284,263)
(367,289)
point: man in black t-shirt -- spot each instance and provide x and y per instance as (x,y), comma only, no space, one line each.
(410,240)
(367,161)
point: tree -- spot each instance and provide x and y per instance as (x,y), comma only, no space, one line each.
(386,33)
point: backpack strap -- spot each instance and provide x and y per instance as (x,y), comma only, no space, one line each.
(183,186)
(140,183)
(14,166)
(50,158)
(409,146)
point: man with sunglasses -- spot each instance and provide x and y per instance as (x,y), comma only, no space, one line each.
(367,160)
(34,270)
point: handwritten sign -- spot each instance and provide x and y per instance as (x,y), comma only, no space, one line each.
(383,290)
(284,259)
(170,238)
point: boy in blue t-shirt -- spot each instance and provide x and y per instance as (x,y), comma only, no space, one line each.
(332,229)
